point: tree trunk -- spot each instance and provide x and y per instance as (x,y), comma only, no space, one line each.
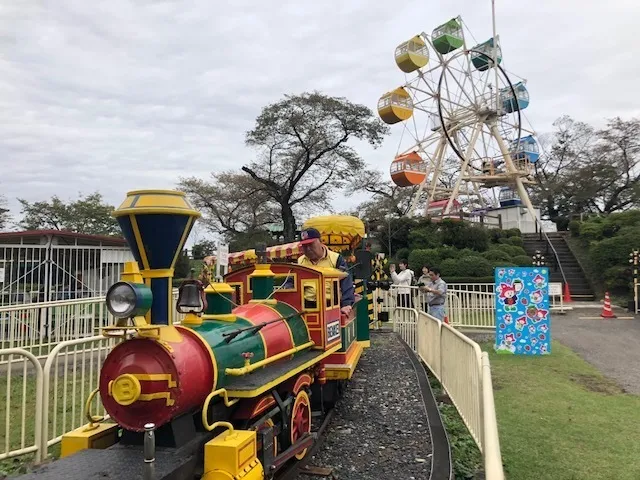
(289,223)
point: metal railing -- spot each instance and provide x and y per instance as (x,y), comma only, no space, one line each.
(21,424)
(464,372)
(71,374)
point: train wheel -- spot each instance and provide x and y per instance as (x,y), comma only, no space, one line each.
(300,419)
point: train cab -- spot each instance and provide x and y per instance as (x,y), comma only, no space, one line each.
(315,292)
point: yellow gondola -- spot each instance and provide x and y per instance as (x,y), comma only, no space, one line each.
(412,54)
(395,106)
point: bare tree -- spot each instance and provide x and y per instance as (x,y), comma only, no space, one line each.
(303,151)
(232,204)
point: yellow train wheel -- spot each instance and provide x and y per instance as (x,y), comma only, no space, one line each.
(300,419)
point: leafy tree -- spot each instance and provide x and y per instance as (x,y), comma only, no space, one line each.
(182,268)
(303,151)
(203,249)
(86,215)
(4,213)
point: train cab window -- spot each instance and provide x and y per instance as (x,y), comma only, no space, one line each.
(310,294)
(336,289)
(327,284)
(285,282)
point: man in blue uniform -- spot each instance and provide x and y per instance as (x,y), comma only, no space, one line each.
(316,254)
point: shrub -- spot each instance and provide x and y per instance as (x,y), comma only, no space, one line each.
(462,235)
(513,232)
(618,279)
(574,228)
(447,252)
(496,255)
(420,257)
(522,260)
(612,252)
(591,231)
(517,241)
(512,250)
(449,268)
(495,235)
(425,237)
(474,267)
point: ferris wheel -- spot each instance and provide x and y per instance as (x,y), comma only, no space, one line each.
(465,135)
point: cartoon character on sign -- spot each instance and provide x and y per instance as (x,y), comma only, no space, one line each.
(540,315)
(508,343)
(538,281)
(521,323)
(536,297)
(509,295)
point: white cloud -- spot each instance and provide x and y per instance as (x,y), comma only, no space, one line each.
(130,94)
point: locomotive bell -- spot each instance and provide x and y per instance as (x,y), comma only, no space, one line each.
(191,297)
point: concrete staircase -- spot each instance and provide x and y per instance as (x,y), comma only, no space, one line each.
(579,286)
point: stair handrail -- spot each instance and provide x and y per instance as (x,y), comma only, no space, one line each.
(555,254)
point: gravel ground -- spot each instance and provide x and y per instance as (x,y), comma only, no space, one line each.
(611,345)
(380,429)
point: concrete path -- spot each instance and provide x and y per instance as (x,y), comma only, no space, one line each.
(610,345)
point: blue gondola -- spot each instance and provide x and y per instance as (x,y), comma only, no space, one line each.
(526,149)
(480,61)
(509,197)
(509,103)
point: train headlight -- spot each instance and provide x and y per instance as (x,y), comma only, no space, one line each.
(126,300)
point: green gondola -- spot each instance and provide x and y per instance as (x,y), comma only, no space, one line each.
(448,37)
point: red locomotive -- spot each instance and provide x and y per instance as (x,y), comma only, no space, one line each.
(228,393)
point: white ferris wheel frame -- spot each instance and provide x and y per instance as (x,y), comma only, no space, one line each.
(448,135)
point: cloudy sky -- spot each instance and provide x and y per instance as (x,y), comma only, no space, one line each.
(123,94)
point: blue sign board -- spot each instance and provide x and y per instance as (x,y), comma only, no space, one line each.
(523,325)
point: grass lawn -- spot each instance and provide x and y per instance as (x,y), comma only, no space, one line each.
(560,419)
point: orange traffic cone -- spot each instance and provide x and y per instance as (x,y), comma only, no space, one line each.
(606,311)
(567,294)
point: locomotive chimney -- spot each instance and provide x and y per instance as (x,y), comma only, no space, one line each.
(156,224)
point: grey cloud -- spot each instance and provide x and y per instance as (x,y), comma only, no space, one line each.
(132,94)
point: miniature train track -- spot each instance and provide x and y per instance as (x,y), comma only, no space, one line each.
(292,472)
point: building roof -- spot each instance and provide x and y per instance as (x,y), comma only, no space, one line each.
(66,237)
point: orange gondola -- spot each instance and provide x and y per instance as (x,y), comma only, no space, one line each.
(407,170)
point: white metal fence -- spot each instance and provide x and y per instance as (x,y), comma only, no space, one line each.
(50,272)
(470,305)
(465,374)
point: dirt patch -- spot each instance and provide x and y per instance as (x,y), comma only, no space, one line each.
(597,384)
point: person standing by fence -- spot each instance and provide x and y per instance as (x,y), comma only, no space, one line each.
(403,280)
(436,294)
(423,282)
